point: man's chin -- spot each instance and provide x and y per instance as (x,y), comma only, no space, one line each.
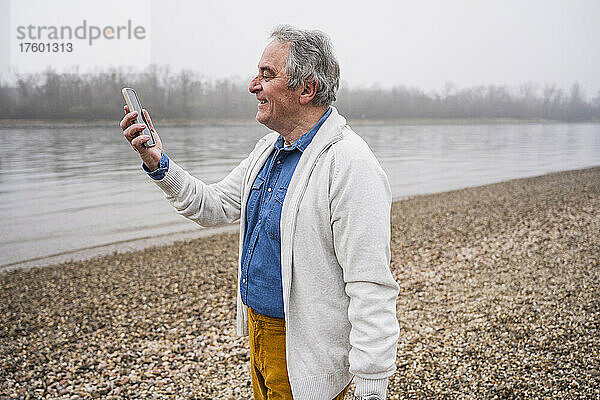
(261,118)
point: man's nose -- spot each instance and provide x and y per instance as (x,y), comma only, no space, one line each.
(254,85)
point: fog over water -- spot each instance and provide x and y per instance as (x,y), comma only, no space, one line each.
(422,44)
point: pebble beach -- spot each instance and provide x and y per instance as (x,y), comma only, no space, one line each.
(499,299)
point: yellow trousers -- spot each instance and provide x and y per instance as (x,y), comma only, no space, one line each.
(267,358)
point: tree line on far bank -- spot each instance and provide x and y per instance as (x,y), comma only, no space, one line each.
(187,96)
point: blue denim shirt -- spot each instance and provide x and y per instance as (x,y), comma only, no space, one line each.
(260,281)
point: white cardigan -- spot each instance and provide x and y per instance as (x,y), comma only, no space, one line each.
(338,293)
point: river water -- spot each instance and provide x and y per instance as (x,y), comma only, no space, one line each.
(65,190)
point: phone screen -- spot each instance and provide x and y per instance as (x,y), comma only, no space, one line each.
(134,102)
(138,107)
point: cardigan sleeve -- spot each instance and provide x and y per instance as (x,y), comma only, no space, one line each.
(360,216)
(206,204)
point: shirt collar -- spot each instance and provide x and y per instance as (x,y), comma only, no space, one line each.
(303,141)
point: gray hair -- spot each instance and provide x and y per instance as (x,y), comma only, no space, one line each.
(310,58)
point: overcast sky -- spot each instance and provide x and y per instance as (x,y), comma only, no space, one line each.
(413,43)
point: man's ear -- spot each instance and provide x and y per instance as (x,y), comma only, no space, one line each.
(309,90)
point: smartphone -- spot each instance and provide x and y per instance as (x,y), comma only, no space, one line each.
(134,105)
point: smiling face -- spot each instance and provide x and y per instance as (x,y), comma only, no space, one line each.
(278,105)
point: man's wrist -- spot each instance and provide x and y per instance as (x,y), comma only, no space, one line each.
(370,389)
(160,171)
(151,167)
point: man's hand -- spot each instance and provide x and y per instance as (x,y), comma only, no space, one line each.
(150,155)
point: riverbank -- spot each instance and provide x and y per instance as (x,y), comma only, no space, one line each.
(73,123)
(499,296)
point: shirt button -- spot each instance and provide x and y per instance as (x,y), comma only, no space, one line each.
(269,189)
(259,220)
(278,161)
(244,280)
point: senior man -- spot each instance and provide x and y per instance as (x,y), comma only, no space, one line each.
(315,293)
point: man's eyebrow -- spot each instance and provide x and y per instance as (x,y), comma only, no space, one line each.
(267,69)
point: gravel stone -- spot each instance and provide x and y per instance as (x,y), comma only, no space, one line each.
(499,298)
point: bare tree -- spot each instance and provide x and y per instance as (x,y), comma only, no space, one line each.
(185,95)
